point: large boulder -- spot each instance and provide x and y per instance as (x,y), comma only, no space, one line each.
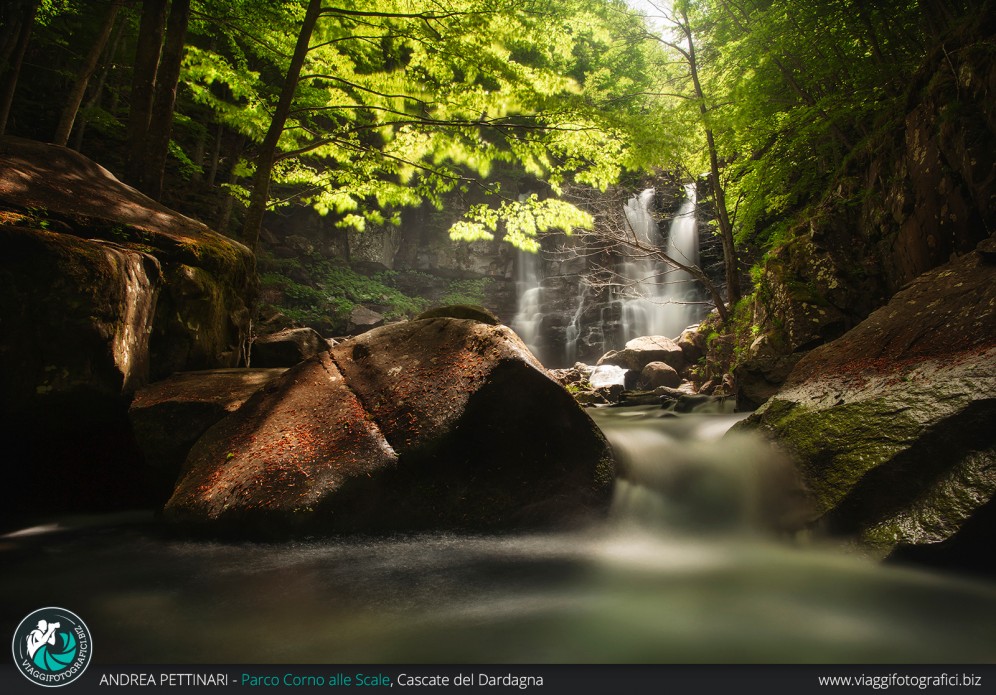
(101,290)
(892,424)
(200,316)
(659,374)
(169,416)
(433,423)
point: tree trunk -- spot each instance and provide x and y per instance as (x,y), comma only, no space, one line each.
(215,155)
(83,76)
(268,150)
(143,83)
(19,48)
(167,78)
(98,90)
(225,215)
(725,225)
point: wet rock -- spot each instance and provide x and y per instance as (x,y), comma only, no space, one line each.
(433,423)
(891,425)
(362,319)
(169,416)
(640,352)
(287,347)
(659,374)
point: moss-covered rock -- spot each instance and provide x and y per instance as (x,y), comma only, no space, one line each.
(201,315)
(891,425)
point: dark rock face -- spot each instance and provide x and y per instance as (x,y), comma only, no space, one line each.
(891,425)
(759,379)
(101,290)
(924,191)
(434,423)
(169,416)
(200,317)
(77,316)
(287,347)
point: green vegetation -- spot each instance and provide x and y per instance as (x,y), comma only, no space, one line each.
(362,112)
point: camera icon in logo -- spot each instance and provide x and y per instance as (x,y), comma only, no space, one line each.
(52,647)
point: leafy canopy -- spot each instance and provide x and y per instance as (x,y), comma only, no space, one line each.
(405,101)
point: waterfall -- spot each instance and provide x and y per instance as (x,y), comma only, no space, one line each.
(529,290)
(561,318)
(658,294)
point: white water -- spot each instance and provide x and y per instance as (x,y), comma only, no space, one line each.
(690,568)
(661,298)
(529,290)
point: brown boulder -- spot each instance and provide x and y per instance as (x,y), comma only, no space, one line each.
(659,374)
(436,423)
(169,416)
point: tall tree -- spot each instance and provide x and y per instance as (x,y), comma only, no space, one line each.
(268,149)
(143,84)
(161,118)
(83,75)
(685,47)
(21,18)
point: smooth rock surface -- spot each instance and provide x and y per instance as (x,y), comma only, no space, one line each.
(169,416)
(434,423)
(640,352)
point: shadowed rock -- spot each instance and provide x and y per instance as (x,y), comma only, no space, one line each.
(287,347)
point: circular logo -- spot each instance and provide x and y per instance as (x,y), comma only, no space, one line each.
(52,647)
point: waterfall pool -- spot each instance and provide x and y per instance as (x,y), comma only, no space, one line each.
(693,576)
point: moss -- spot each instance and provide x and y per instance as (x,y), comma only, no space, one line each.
(313,291)
(836,446)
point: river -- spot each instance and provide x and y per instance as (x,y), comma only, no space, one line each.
(694,565)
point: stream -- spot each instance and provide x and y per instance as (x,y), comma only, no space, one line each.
(693,565)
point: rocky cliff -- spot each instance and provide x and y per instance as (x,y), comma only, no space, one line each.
(892,424)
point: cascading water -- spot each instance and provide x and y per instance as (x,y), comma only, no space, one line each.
(651,299)
(688,569)
(529,290)
(662,299)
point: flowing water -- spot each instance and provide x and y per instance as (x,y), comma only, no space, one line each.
(693,565)
(662,300)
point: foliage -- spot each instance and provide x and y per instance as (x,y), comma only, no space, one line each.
(402,102)
(471,292)
(333,292)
